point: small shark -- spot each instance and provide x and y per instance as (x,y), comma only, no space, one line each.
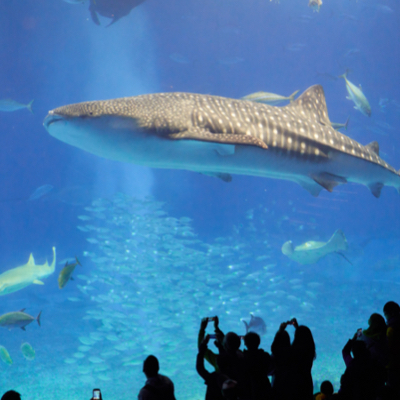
(221,136)
(310,252)
(358,97)
(17,278)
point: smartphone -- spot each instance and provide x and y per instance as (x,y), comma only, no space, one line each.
(213,336)
(359,332)
(96,394)
(211,319)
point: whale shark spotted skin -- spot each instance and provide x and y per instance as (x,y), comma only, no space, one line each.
(221,136)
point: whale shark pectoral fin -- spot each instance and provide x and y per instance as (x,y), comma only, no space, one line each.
(328,181)
(376,188)
(204,135)
(31,260)
(37,282)
(311,186)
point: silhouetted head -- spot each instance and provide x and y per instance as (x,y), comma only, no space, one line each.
(230,389)
(11,395)
(252,340)
(377,326)
(359,349)
(303,342)
(327,388)
(390,309)
(231,342)
(151,366)
(281,341)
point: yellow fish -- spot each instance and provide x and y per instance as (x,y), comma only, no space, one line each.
(17,278)
(5,356)
(66,272)
(28,351)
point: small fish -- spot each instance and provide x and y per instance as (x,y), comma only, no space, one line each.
(5,356)
(310,252)
(337,125)
(76,1)
(17,319)
(269,98)
(179,58)
(66,272)
(9,105)
(358,97)
(28,351)
(295,46)
(40,192)
(256,325)
(315,4)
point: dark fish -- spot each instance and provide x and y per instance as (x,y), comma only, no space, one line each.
(114,9)
(66,273)
(17,319)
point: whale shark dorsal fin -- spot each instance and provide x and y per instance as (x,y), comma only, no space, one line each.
(311,104)
(31,261)
(374,147)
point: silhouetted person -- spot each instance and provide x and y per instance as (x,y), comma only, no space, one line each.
(209,355)
(214,380)
(298,383)
(11,395)
(375,340)
(359,379)
(230,390)
(280,351)
(326,391)
(230,359)
(391,310)
(157,387)
(257,366)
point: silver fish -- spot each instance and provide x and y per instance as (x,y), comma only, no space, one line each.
(269,98)
(358,97)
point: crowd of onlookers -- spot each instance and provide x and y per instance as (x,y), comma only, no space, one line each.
(371,356)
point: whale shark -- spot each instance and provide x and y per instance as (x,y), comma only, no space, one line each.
(20,277)
(222,136)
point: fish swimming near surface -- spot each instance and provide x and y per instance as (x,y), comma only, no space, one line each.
(217,135)
(66,273)
(40,192)
(269,98)
(12,105)
(337,125)
(256,325)
(115,9)
(20,277)
(357,96)
(17,319)
(315,4)
(5,355)
(311,252)
(28,351)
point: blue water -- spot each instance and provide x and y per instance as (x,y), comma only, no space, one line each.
(169,247)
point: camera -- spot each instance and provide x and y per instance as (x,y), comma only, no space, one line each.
(96,394)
